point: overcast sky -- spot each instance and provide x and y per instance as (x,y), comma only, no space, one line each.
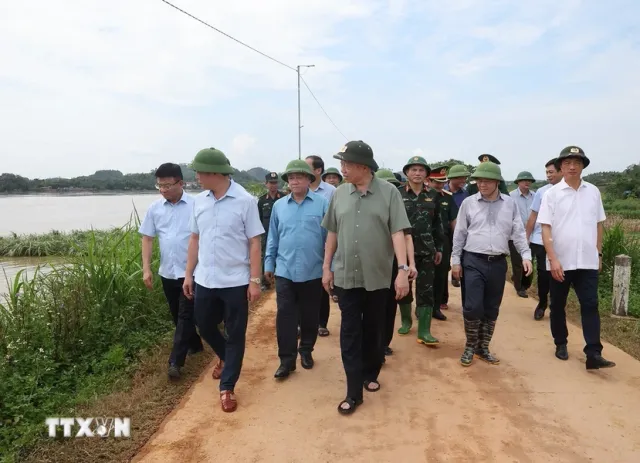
(124,84)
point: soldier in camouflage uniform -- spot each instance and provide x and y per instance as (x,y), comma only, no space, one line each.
(423,210)
(448,215)
(472,188)
(265,204)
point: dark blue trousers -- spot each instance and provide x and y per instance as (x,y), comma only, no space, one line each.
(483,285)
(231,305)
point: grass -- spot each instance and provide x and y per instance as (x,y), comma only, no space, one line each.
(55,243)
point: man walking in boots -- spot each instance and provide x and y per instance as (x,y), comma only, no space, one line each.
(366,223)
(423,210)
(572,219)
(486,222)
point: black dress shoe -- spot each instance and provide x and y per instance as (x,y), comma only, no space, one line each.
(438,315)
(538,314)
(597,361)
(523,293)
(174,371)
(561,352)
(306,360)
(284,370)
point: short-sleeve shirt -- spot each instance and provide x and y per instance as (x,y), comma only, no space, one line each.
(536,234)
(225,227)
(574,216)
(325,189)
(524,203)
(364,223)
(448,212)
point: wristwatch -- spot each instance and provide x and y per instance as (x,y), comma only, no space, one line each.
(403,267)
(257,281)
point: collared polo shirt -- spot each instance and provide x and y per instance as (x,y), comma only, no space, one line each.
(225,227)
(364,223)
(574,216)
(523,202)
(170,223)
(536,234)
(295,245)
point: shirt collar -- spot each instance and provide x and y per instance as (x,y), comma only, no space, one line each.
(408,188)
(564,185)
(527,195)
(181,200)
(231,192)
(479,197)
(309,195)
(371,189)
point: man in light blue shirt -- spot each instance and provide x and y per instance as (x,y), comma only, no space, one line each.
(224,265)
(523,198)
(534,235)
(168,219)
(322,188)
(295,251)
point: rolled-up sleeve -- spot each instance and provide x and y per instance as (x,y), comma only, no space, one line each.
(460,233)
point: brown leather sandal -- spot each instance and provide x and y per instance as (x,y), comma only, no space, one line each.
(228,401)
(217,370)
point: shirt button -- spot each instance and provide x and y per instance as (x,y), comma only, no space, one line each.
(356,255)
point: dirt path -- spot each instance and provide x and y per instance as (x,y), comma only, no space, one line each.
(530,408)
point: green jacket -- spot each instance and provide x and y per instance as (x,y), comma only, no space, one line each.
(448,212)
(265,204)
(423,211)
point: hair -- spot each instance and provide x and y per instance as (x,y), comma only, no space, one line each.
(551,163)
(168,169)
(318,163)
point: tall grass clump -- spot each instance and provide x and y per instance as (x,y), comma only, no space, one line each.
(54,243)
(65,334)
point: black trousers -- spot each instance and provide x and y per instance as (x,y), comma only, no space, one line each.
(585,284)
(185,336)
(361,333)
(231,305)
(391,308)
(520,281)
(544,276)
(297,302)
(441,276)
(483,283)
(325,308)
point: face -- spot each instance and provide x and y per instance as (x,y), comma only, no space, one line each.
(318,172)
(457,182)
(416,174)
(332,179)
(170,187)
(524,185)
(553,175)
(572,168)
(436,185)
(486,186)
(298,183)
(209,181)
(352,172)
(272,186)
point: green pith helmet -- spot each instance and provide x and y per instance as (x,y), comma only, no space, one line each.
(524,175)
(332,170)
(458,170)
(298,166)
(489,170)
(212,161)
(416,161)
(488,158)
(387,174)
(574,152)
(357,152)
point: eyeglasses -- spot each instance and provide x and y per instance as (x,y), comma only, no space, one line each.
(166,186)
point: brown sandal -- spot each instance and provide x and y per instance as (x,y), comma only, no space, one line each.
(217,370)
(228,401)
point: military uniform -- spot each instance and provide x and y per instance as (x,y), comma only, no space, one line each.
(265,204)
(423,211)
(448,214)
(472,188)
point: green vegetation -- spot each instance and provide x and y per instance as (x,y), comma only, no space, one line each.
(55,243)
(69,333)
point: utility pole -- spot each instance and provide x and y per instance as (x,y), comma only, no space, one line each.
(299,120)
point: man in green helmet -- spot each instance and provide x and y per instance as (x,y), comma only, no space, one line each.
(332,176)
(457,179)
(523,196)
(224,268)
(486,222)
(265,204)
(423,210)
(472,188)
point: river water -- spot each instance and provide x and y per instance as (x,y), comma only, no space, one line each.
(43,213)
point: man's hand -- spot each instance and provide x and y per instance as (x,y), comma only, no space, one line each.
(556,270)
(327,280)
(456,271)
(438,258)
(253,292)
(527,267)
(402,284)
(413,272)
(147,278)
(269,276)
(187,287)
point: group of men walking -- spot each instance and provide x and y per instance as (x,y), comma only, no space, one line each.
(363,238)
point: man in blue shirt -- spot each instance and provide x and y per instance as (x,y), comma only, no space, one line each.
(457,177)
(322,188)
(295,251)
(523,197)
(225,245)
(534,235)
(168,219)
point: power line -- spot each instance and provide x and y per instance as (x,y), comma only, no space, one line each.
(227,35)
(325,113)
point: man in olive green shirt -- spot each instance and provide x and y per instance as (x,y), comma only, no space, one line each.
(365,223)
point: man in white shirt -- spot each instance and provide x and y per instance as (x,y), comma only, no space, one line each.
(523,197)
(534,236)
(572,218)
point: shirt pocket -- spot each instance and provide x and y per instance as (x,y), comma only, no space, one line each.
(311,222)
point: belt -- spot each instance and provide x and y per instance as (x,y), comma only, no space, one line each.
(487,257)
